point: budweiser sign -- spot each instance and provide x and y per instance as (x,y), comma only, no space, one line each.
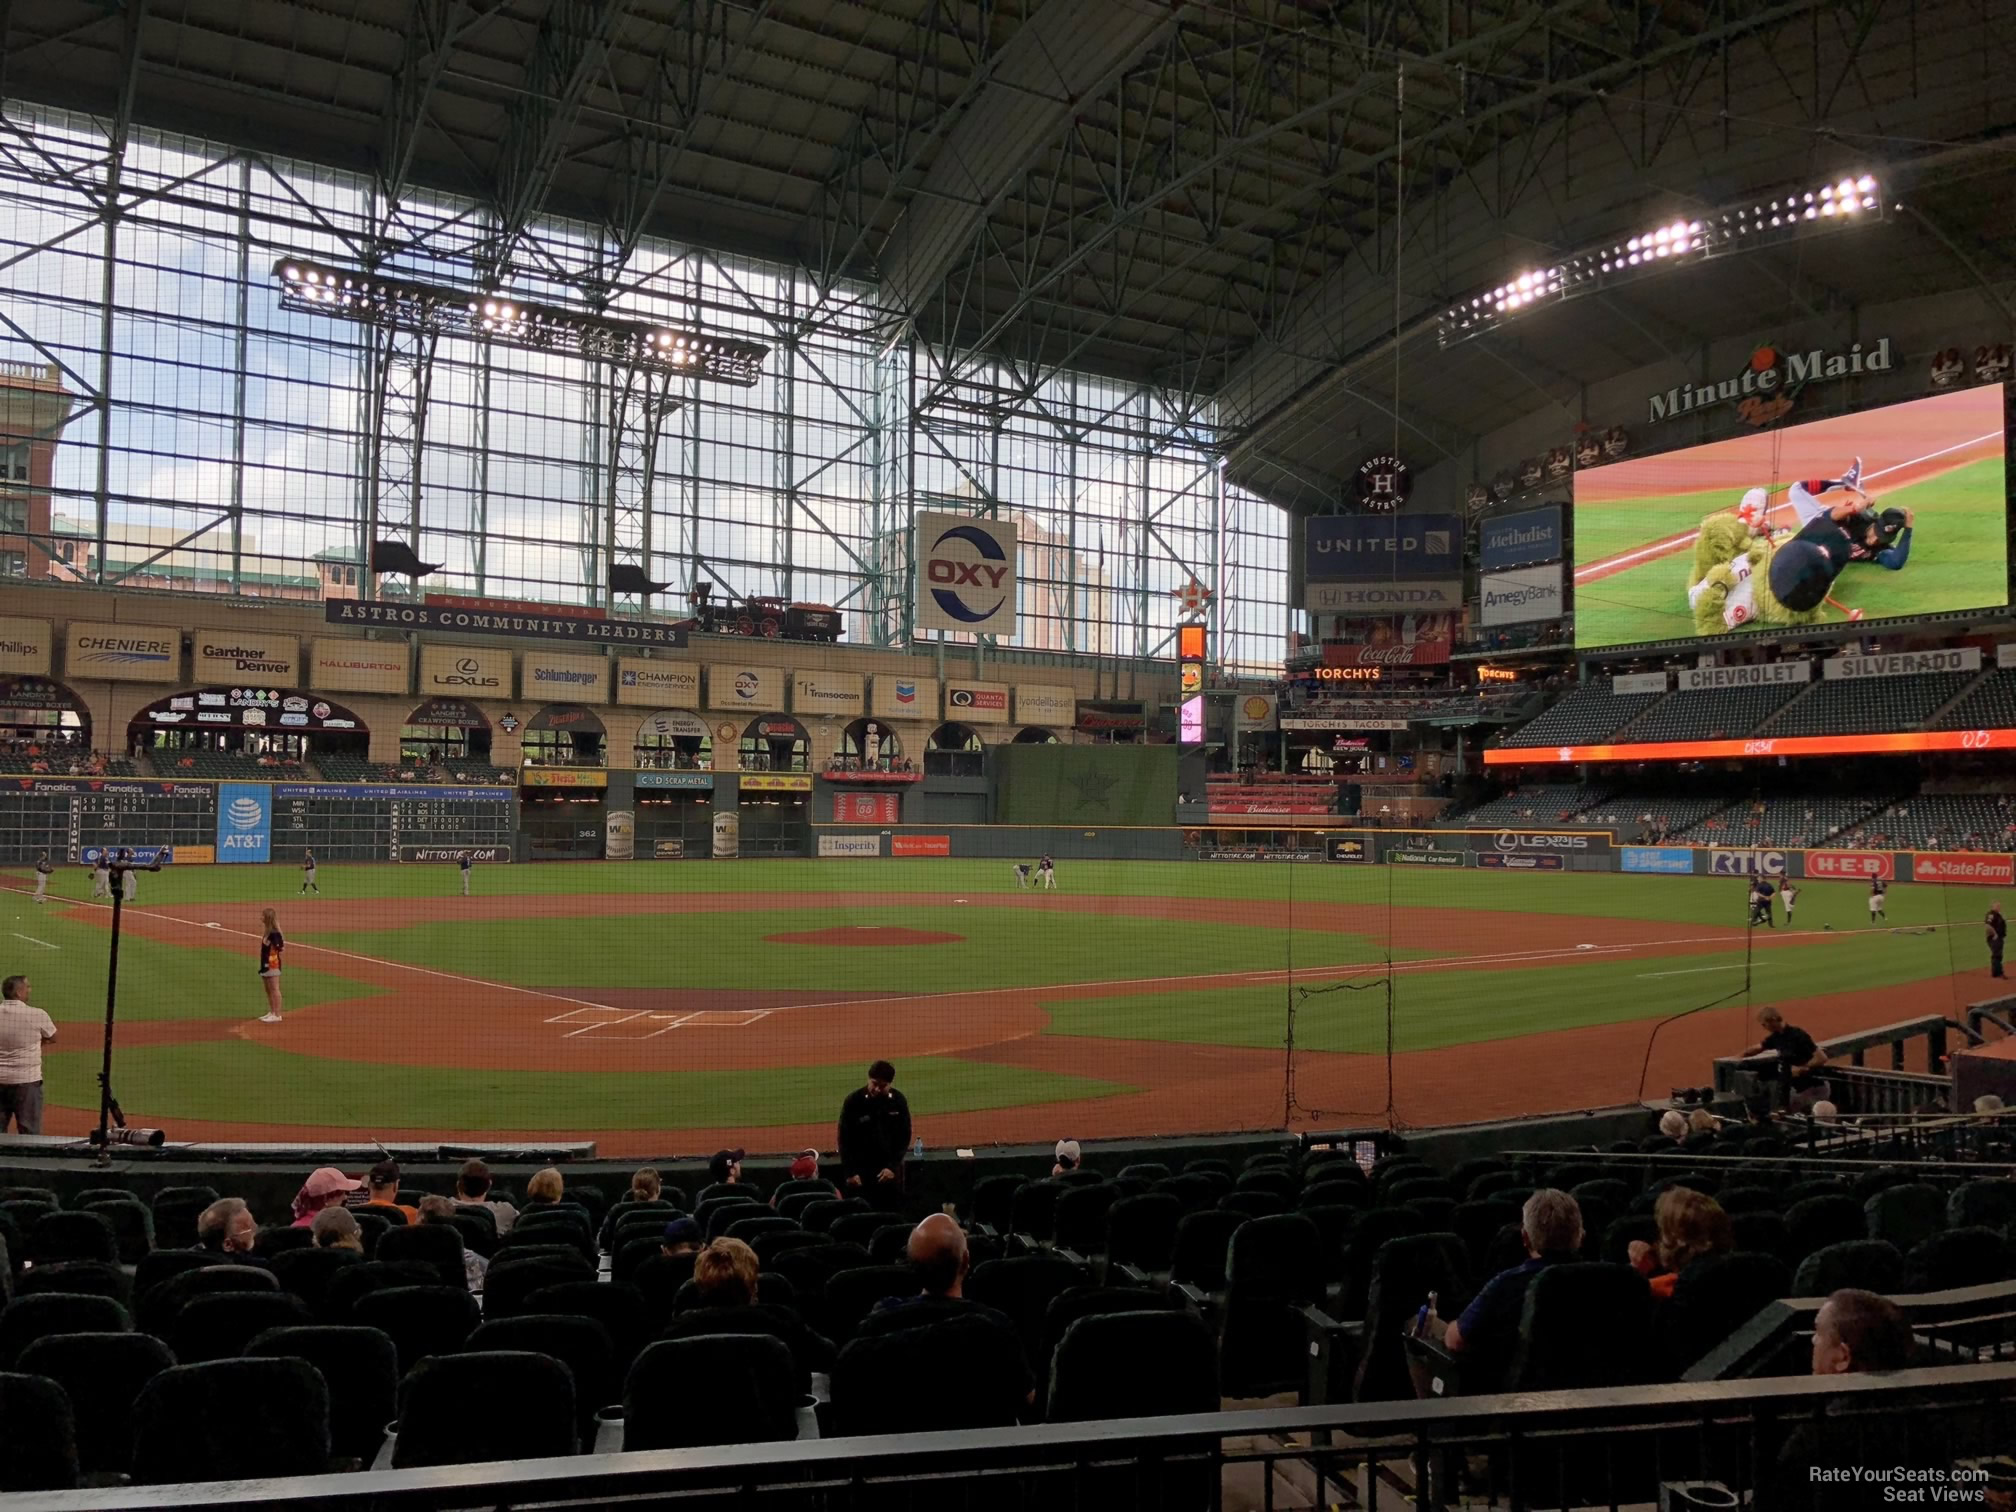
(1964,866)
(1864,865)
(1420,653)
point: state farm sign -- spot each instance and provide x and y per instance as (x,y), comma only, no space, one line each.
(1963,866)
(1858,864)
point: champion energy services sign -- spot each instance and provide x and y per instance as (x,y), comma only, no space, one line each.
(966,574)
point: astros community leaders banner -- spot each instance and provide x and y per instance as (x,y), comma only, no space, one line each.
(523,625)
(966,574)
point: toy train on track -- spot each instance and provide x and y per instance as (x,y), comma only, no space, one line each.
(764,618)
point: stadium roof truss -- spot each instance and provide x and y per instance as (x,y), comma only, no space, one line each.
(1032,239)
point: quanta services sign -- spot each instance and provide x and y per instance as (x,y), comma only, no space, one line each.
(1967,867)
(1858,865)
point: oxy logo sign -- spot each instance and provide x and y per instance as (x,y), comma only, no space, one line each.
(1746,863)
(244,822)
(966,576)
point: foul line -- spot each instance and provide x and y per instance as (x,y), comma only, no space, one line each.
(33,941)
(351,955)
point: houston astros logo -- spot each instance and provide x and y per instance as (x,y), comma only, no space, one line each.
(957,574)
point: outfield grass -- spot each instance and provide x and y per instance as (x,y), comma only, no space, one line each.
(1490,914)
(1958,558)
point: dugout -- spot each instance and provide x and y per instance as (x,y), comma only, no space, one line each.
(675,815)
(562,814)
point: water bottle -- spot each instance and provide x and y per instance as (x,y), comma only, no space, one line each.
(917,1148)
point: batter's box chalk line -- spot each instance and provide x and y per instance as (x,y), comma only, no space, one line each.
(574,1015)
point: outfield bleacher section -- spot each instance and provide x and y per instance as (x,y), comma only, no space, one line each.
(1989,705)
(1711,714)
(1638,813)
(1791,822)
(228,766)
(1587,716)
(1539,804)
(1866,706)
(1974,821)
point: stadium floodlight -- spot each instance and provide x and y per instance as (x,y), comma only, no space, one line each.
(1849,200)
(313,286)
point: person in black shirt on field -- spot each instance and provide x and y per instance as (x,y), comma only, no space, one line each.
(1799,1058)
(1997,931)
(874,1138)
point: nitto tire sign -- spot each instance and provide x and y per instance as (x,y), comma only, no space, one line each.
(1861,866)
(1746,863)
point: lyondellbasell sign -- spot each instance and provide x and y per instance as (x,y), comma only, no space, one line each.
(1769,383)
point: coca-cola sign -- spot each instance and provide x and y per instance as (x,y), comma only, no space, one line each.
(1419,653)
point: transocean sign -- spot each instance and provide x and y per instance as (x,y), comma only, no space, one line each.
(1769,384)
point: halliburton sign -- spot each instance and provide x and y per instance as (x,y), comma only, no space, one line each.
(1861,865)
(1964,866)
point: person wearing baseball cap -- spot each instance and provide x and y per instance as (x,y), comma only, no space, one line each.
(384,1185)
(324,1188)
(725,1169)
(1067,1157)
(805,1165)
(682,1237)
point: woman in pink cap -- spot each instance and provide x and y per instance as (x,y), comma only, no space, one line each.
(324,1188)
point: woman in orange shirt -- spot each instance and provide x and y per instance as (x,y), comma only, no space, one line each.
(1691,1227)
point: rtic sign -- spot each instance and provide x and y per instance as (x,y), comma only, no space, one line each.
(1963,866)
(1746,863)
(966,574)
(1860,865)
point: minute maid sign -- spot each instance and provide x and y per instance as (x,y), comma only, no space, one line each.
(244,822)
(1769,383)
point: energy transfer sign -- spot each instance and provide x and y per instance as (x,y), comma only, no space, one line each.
(966,574)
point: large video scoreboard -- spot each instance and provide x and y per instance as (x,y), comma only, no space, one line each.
(381,822)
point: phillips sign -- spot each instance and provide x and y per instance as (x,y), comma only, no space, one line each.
(966,574)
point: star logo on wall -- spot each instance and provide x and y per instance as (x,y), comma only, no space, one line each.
(1092,788)
(1567,753)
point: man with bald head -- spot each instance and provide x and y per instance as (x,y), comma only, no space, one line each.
(938,1322)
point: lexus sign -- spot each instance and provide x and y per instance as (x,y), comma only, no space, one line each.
(1520,840)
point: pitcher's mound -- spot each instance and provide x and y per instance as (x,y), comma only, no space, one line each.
(866,934)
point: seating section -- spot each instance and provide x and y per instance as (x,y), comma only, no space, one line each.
(1538,804)
(1271,793)
(1867,705)
(1989,705)
(1134,1291)
(1975,821)
(62,761)
(226,766)
(1637,813)
(1587,716)
(1712,714)
(343,768)
(1804,822)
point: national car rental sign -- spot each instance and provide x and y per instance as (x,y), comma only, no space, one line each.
(966,574)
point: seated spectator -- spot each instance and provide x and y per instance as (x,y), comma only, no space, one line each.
(725,1274)
(324,1188)
(1673,1124)
(1486,1335)
(682,1237)
(1825,1112)
(544,1188)
(1701,1121)
(1067,1157)
(228,1230)
(1691,1228)
(725,1169)
(440,1211)
(383,1185)
(472,1189)
(938,1252)
(1857,1331)
(336,1228)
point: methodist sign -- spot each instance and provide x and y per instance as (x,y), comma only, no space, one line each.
(966,574)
